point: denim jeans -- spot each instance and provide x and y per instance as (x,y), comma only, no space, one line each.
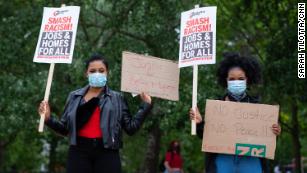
(237,164)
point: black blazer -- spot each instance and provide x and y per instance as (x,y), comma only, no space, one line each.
(115,116)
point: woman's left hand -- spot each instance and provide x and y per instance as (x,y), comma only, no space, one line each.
(276,129)
(145,98)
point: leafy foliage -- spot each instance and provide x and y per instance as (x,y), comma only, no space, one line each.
(265,29)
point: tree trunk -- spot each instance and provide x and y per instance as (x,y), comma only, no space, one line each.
(2,149)
(52,154)
(151,161)
(295,137)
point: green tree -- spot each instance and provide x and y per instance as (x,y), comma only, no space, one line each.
(265,29)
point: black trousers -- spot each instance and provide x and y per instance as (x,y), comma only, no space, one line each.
(89,156)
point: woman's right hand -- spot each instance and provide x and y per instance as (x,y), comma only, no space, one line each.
(44,109)
(146,98)
(195,115)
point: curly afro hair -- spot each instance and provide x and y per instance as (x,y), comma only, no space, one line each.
(249,65)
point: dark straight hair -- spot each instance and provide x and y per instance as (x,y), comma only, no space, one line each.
(96,57)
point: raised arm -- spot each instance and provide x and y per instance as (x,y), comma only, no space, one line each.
(132,124)
(195,115)
(59,126)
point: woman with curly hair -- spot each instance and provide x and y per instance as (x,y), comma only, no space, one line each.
(236,74)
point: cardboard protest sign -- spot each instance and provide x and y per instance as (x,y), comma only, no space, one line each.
(57,35)
(155,76)
(240,128)
(198,37)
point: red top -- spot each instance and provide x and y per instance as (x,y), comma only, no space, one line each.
(174,160)
(92,128)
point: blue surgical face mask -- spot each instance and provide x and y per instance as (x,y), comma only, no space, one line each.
(97,79)
(236,87)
